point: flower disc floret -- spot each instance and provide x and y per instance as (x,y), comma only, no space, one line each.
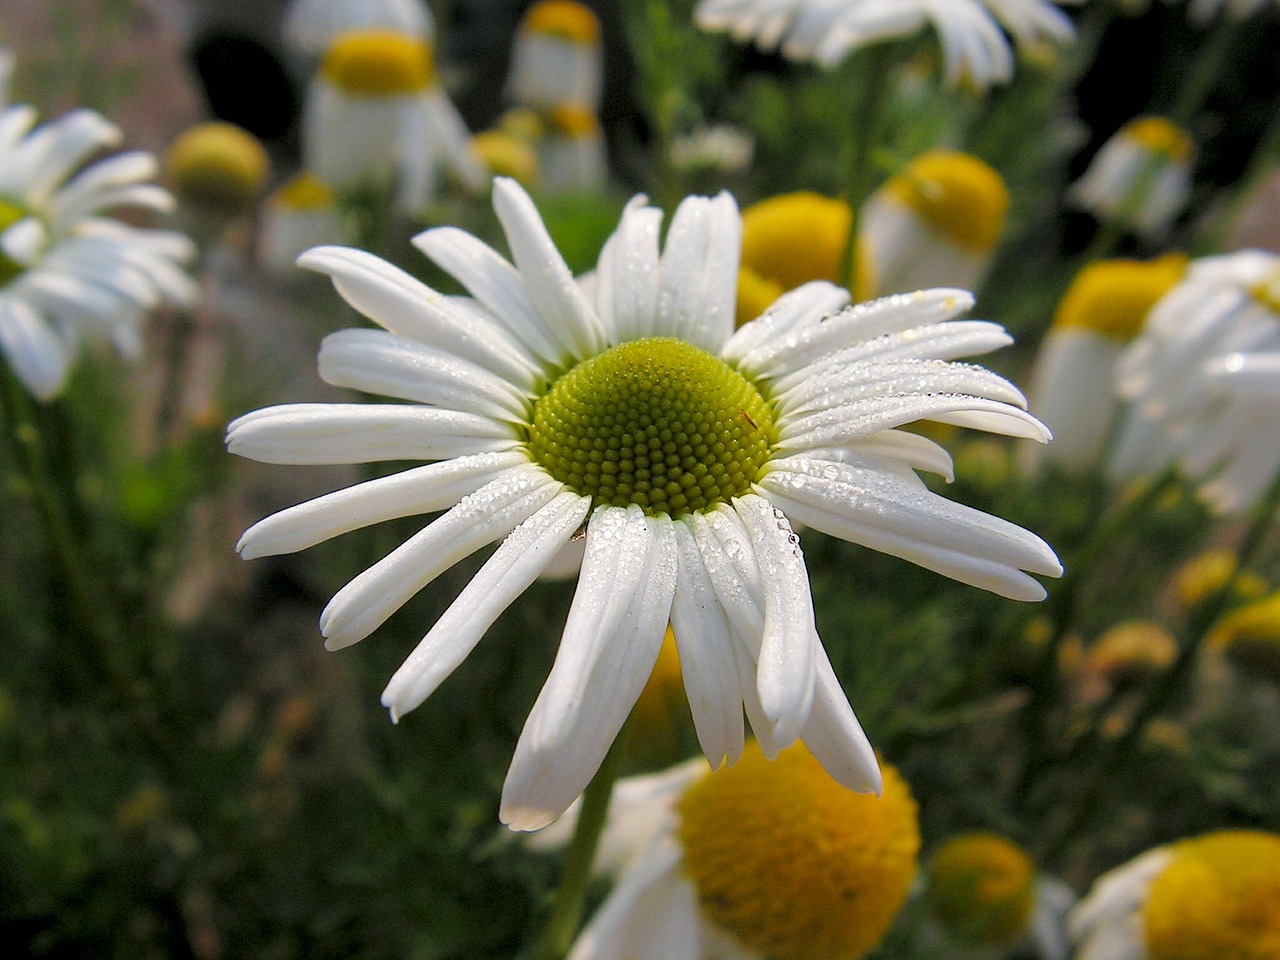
(982,887)
(379,63)
(1218,899)
(794,865)
(654,422)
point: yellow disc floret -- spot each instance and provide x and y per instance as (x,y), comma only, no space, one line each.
(982,887)
(217,165)
(1250,637)
(304,191)
(1113,297)
(956,193)
(662,711)
(574,121)
(564,19)
(1130,652)
(794,865)
(1204,575)
(656,422)
(1218,899)
(507,155)
(10,213)
(1159,136)
(378,63)
(796,237)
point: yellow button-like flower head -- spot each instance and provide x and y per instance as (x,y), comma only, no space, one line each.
(1113,297)
(982,888)
(956,193)
(379,63)
(217,165)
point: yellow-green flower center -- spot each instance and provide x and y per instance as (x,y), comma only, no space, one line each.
(655,422)
(1218,899)
(982,888)
(10,213)
(794,865)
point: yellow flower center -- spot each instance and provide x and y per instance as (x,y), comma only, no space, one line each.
(1267,292)
(982,888)
(1159,136)
(1208,573)
(956,193)
(378,63)
(564,19)
(655,422)
(305,191)
(1131,651)
(10,213)
(1113,297)
(1218,899)
(217,165)
(794,865)
(507,155)
(796,237)
(1250,637)
(575,122)
(662,712)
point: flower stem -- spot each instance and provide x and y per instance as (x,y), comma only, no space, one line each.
(868,76)
(1191,642)
(566,912)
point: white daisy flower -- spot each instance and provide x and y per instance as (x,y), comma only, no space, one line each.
(676,441)
(1214,896)
(762,860)
(301,214)
(1148,147)
(310,26)
(713,148)
(975,49)
(988,901)
(1073,382)
(67,272)
(556,58)
(571,152)
(1200,382)
(375,113)
(936,223)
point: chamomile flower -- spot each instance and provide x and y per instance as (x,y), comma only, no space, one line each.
(787,241)
(1141,176)
(678,444)
(1208,898)
(1200,382)
(68,272)
(761,860)
(1072,385)
(556,58)
(975,49)
(571,152)
(936,223)
(310,26)
(217,172)
(300,214)
(988,899)
(375,113)
(1249,637)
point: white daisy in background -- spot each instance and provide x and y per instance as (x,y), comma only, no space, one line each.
(935,223)
(556,58)
(571,152)
(375,113)
(762,860)
(1201,382)
(302,213)
(677,442)
(68,273)
(713,148)
(1073,381)
(988,901)
(1208,898)
(975,49)
(1141,175)
(310,26)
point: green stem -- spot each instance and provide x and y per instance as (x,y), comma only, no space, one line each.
(1191,642)
(1060,608)
(868,75)
(566,912)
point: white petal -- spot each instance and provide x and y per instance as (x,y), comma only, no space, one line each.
(378,362)
(504,576)
(37,355)
(786,664)
(627,274)
(806,303)
(418,490)
(315,433)
(834,736)
(394,300)
(489,514)
(606,655)
(700,272)
(705,644)
(546,277)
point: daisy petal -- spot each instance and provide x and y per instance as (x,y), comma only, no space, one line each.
(504,576)
(627,273)
(699,272)
(835,737)
(38,356)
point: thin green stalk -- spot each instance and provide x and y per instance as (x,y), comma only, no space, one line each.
(867,75)
(566,912)
(1191,641)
